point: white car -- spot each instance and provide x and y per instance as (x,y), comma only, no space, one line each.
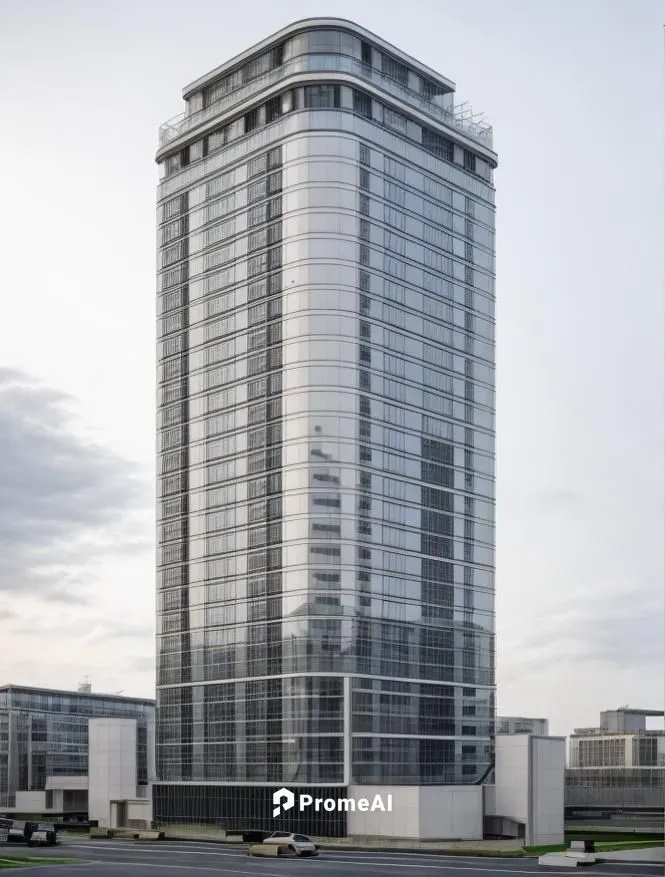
(299,843)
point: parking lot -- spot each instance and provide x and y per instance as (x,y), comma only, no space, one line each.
(102,858)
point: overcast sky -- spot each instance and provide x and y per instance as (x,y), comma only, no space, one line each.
(574,90)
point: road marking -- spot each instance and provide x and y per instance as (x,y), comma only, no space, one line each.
(158,847)
(220,871)
(449,865)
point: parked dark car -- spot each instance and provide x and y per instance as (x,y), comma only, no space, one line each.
(42,834)
(33,833)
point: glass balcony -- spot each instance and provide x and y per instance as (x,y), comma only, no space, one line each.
(461,119)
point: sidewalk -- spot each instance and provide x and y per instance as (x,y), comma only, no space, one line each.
(473,847)
(642,855)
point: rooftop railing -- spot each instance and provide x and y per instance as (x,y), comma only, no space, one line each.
(461,118)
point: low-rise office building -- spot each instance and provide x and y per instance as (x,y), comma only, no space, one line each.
(47,752)
(619,765)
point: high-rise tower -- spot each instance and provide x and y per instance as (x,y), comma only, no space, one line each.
(326,430)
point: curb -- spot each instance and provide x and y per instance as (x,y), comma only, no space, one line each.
(205,840)
(629,861)
(494,854)
(353,848)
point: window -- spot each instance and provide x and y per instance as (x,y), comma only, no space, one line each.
(257,314)
(394,292)
(172,208)
(274,208)
(394,316)
(393,192)
(273,109)
(257,166)
(394,120)
(394,217)
(394,365)
(394,439)
(363,205)
(365,155)
(394,243)
(362,104)
(322,96)
(394,267)
(395,415)
(257,265)
(437,214)
(366,54)
(437,262)
(275,182)
(437,237)
(257,240)
(395,169)
(257,191)
(469,161)
(437,145)
(394,390)
(256,339)
(364,179)
(394,69)
(274,158)
(251,120)
(173,230)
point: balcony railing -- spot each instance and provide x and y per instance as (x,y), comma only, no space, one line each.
(461,118)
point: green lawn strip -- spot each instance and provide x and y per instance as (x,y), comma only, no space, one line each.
(614,836)
(546,848)
(601,846)
(629,845)
(474,851)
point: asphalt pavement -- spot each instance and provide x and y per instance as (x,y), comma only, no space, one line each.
(119,858)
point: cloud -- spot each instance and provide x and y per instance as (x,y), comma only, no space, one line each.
(64,501)
(142,664)
(557,499)
(113,630)
(618,624)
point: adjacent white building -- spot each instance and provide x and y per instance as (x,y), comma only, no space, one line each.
(522,725)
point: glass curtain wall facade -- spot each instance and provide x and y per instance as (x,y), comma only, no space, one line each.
(44,733)
(326,427)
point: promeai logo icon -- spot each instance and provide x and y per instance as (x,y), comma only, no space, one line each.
(282,800)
